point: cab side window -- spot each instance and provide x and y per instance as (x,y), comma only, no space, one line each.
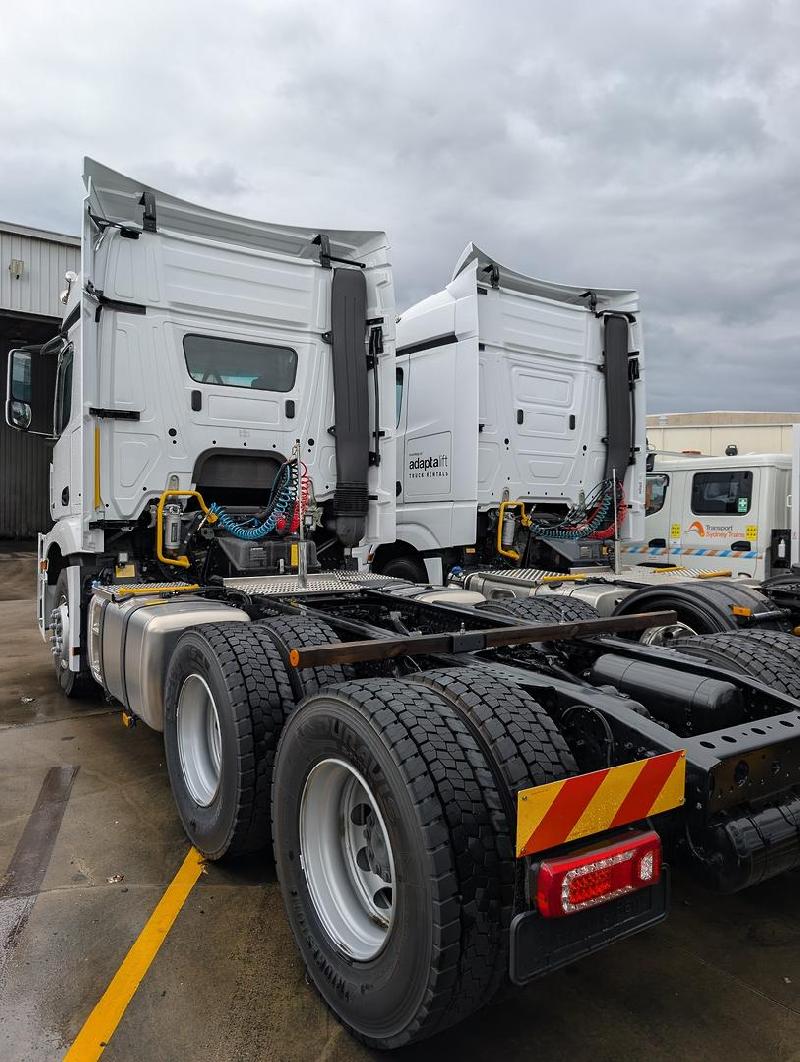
(64,390)
(722,493)
(655,493)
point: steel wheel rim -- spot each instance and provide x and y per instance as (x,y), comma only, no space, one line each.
(347,859)
(667,634)
(199,740)
(59,624)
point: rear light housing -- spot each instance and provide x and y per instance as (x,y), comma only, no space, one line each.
(575,882)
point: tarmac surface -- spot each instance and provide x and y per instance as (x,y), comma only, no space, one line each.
(719,980)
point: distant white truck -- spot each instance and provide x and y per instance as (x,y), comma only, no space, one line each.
(717,514)
(520,425)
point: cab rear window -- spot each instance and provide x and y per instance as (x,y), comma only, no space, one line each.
(238,363)
(722,493)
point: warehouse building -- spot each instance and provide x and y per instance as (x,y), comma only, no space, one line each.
(32,268)
(712,433)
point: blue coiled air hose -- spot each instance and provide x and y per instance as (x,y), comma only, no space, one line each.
(282,501)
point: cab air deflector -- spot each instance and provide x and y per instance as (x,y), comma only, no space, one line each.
(351,404)
(618,403)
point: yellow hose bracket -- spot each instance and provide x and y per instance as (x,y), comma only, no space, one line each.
(512,554)
(98,501)
(177,562)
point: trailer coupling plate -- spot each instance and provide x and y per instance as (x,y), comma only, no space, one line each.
(558,812)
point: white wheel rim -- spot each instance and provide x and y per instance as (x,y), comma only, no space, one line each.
(347,859)
(199,740)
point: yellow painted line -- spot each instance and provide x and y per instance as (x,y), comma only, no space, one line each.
(606,802)
(99,1027)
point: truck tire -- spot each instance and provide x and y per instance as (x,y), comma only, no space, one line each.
(703,607)
(227,696)
(300,632)
(392,849)
(515,731)
(409,568)
(753,656)
(73,683)
(522,747)
(785,645)
(551,609)
(530,609)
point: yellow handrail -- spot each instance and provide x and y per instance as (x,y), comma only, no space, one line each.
(176,562)
(524,519)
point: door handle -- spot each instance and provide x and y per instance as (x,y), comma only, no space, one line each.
(744,546)
(65,496)
(520,416)
(657,543)
(197,401)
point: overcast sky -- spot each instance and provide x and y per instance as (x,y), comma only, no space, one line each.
(654,146)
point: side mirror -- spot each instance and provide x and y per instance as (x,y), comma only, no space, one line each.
(30,391)
(18,414)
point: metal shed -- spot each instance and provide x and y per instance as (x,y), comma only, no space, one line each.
(32,268)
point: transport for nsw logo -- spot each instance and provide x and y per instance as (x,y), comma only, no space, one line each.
(698,527)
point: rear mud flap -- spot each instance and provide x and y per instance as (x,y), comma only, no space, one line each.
(541,945)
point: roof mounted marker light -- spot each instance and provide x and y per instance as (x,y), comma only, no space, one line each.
(568,884)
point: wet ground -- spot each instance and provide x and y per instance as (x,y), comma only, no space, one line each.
(720,980)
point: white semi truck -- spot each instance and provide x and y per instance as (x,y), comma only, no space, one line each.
(457,791)
(521,425)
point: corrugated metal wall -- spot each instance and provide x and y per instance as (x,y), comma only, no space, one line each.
(24,472)
(29,313)
(45,259)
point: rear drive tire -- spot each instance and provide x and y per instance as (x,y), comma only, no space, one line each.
(531,609)
(523,748)
(749,653)
(553,608)
(783,644)
(227,696)
(427,831)
(300,632)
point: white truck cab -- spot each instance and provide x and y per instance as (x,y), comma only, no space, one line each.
(201,352)
(520,408)
(717,514)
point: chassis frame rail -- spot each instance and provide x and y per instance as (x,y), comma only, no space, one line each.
(470,641)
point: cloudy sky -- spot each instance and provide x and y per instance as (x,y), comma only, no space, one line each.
(634,144)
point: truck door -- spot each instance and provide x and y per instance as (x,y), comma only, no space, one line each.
(402,386)
(658,526)
(720,531)
(440,418)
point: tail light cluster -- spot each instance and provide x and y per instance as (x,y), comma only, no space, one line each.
(575,882)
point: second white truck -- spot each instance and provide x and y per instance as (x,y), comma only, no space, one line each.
(520,425)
